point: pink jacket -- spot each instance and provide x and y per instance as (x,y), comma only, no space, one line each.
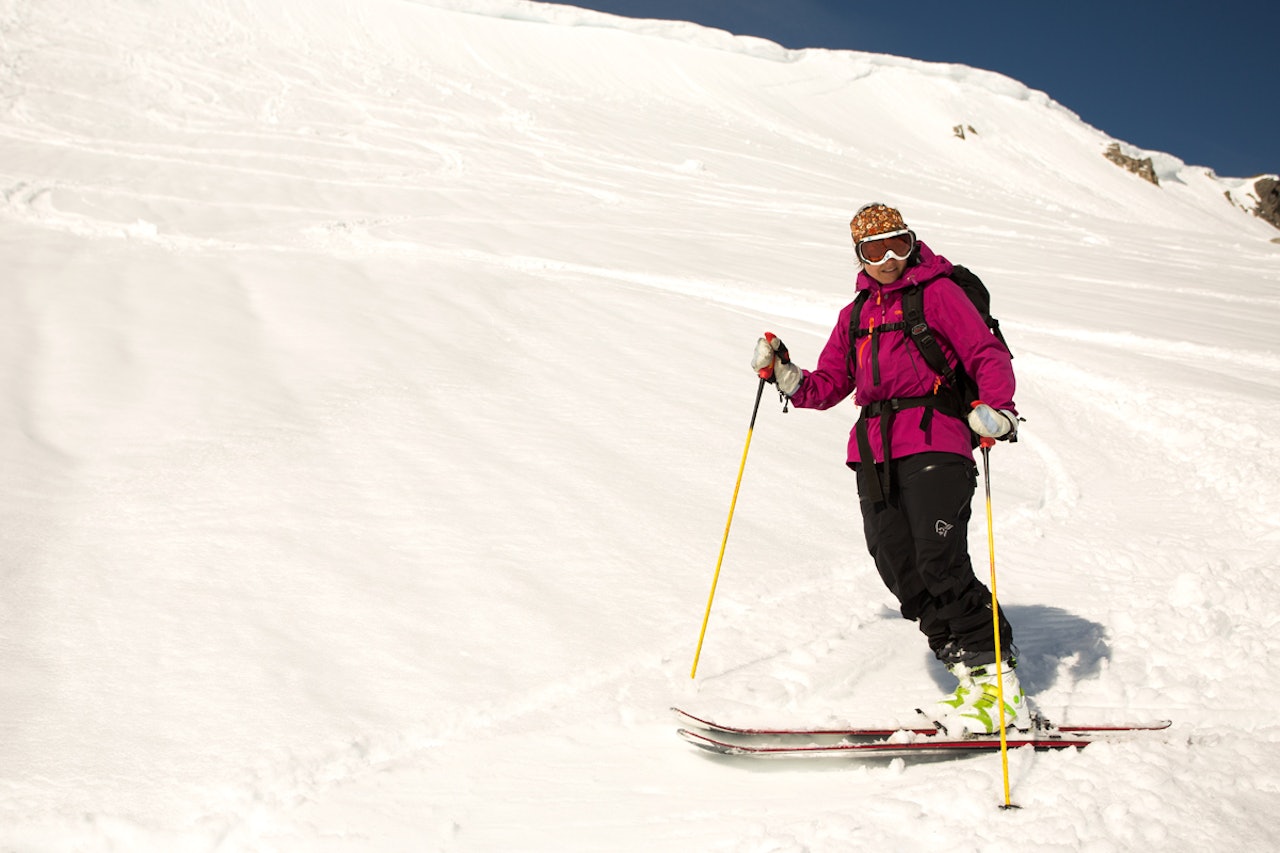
(964,338)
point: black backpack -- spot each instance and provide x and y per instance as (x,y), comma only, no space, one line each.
(956,392)
(916,327)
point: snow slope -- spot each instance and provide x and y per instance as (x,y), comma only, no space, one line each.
(376,384)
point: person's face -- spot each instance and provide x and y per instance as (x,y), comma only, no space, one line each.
(887,271)
(885,257)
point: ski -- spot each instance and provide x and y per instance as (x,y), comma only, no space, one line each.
(871,732)
(911,745)
(850,731)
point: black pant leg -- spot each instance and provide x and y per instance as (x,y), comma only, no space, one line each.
(919,540)
(892,546)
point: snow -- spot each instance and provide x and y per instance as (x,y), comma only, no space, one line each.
(377,380)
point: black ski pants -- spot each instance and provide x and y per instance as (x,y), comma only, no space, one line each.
(919,539)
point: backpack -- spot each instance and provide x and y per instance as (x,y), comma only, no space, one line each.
(916,327)
(956,390)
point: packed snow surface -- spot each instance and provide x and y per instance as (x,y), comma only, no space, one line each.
(376,386)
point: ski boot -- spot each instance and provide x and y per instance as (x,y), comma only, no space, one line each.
(974,707)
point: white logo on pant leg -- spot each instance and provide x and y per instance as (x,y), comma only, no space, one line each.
(942,528)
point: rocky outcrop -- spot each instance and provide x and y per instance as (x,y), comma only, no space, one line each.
(1143,168)
(1261,198)
(1268,190)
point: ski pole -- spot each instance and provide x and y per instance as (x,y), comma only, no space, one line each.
(995,620)
(724,542)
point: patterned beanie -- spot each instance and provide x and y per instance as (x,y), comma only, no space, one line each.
(875,218)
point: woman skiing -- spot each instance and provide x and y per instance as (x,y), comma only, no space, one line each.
(912,449)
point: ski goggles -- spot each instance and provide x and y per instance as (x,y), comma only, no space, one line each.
(880,248)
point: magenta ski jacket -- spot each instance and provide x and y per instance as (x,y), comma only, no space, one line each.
(963,335)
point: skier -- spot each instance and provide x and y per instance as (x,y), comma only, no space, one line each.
(912,452)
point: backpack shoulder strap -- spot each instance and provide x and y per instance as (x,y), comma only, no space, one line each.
(855,317)
(917,328)
(855,330)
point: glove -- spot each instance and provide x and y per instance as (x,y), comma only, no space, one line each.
(772,362)
(989,423)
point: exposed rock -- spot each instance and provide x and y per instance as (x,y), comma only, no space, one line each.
(1143,168)
(959,130)
(1261,198)
(1268,190)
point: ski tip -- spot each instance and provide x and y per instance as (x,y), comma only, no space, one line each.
(709,744)
(1151,726)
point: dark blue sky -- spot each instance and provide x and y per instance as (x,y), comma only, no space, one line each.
(1198,80)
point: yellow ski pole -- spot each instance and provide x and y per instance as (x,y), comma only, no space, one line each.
(995,620)
(724,542)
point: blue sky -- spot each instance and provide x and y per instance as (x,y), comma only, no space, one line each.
(1197,80)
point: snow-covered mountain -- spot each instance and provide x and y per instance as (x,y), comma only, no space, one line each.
(377,382)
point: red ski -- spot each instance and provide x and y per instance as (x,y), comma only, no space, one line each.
(912,744)
(779,742)
(854,732)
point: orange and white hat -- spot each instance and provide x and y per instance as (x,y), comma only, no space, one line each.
(875,218)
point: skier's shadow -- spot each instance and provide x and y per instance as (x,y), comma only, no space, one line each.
(1045,637)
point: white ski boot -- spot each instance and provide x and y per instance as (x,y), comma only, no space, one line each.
(974,706)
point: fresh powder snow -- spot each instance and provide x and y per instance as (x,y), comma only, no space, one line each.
(377,378)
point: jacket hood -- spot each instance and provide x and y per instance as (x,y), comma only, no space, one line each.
(927,267)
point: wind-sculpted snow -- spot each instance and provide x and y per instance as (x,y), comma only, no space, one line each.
(377,378)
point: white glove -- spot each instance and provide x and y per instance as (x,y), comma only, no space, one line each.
(772,362)
(989,423)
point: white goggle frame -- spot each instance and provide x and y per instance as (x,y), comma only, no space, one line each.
(890,254)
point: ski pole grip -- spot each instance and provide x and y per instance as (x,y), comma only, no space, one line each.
(780,352)
(983,441)
(780,348)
